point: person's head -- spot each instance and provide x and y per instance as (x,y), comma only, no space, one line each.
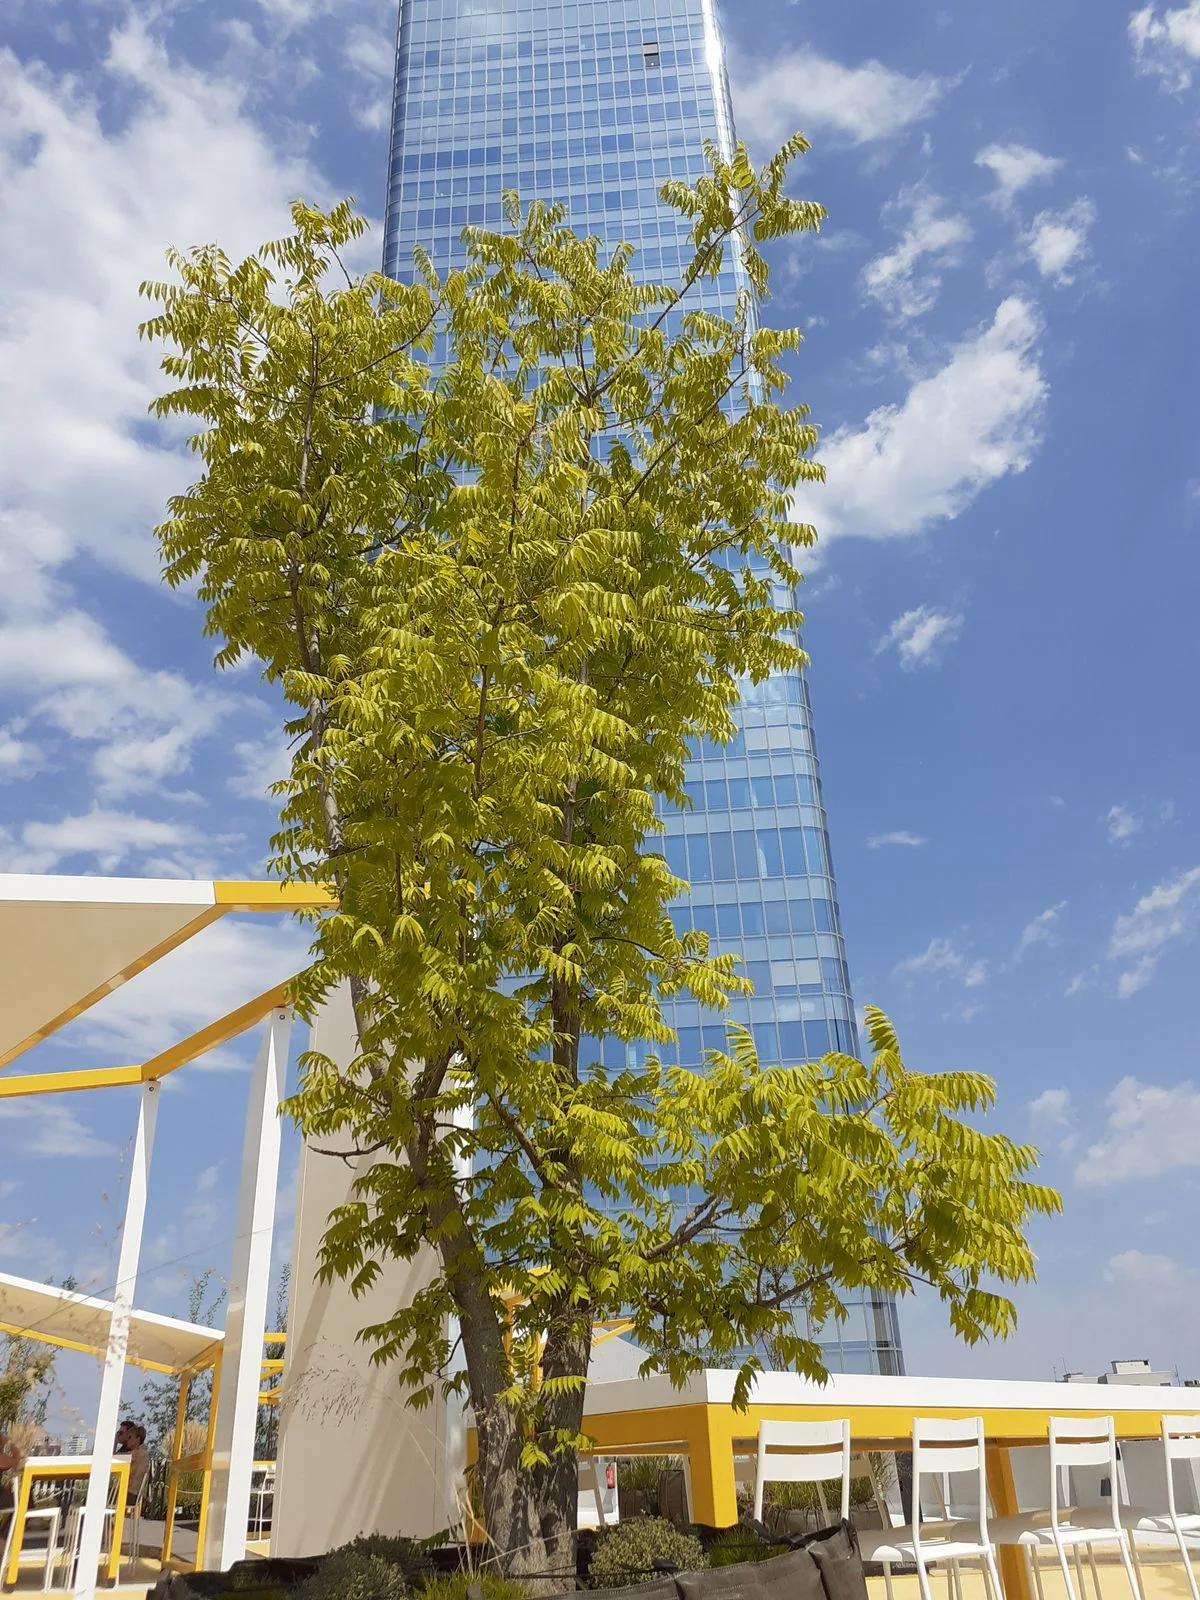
(127,1434)
(138,1432)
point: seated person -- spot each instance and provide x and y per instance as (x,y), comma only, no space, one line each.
(131,1441)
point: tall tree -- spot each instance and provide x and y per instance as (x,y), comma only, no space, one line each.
(503,593)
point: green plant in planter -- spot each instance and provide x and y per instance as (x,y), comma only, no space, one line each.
(741,1544)
(354,1573)
(627,1554)
(492,1585)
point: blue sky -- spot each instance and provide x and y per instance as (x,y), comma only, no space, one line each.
(1001,320)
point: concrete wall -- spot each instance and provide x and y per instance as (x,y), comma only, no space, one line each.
(353,1457)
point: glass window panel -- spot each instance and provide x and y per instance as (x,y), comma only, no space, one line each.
(721,851)
(770,860)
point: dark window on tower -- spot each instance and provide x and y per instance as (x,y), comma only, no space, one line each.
(650,54)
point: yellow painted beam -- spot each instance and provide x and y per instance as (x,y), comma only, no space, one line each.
(216,1033)
(40,1336)
(178,1055)
(68,1082)
(249,896)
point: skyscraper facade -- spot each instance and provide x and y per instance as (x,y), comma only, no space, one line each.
(596,103)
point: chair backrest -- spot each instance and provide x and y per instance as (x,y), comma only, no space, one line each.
(943,1447)
(1084,1442)
(1181,1442)
(803,1452)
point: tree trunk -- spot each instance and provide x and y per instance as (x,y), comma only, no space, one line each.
(530,1514)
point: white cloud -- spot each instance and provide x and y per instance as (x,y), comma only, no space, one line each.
(921,636)
(1123,823)
(1042,930)
(1014,167)
(370,53)
(800,89)
(879,841)
(207,977)
(261,763)
(104,840)
(1057,241)
(49,1128)
(19,758)
(1147,1273)
(1167,43)
(1169,912)
(1151,1131)
(957,431)
(942,957)
(906,280)
(87,207)
(1050,1108)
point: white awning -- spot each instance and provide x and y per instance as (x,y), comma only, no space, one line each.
(75,1321)
(67,942)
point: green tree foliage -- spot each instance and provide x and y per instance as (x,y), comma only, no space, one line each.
(506,542)
(26,1378)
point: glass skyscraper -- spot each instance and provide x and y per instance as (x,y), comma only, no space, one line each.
(596,103)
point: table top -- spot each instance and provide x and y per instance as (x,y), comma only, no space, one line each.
(857,1393)
(68,1466)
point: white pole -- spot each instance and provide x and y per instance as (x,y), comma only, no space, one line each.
(107,1415)
(245,1323)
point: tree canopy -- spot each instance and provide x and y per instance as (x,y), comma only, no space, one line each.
(508,541)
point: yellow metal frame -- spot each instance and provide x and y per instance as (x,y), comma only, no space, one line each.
(46,1468)
(228,897)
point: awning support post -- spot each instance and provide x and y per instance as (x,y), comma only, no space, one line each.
(246,1321)
(108,1412)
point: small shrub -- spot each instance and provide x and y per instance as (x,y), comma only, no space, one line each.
(352,1573)
(627,1554)
(741,1544)
(493,1585)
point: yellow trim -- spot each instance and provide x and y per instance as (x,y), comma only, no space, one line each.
(178,1055)
(210,914)
(234,896)
(39,1337)
(68,1082)
(45,1467)
(216,1033)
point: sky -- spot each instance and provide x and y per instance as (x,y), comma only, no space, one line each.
(1001,326)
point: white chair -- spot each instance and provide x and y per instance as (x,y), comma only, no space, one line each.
(1075,1442)
(941,1449)
(49,1515)
(1151,1526)
(803,1452)
(74,1538)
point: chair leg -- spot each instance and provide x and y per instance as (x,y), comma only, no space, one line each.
(1091,1549)
(1137,1567)
(1034,1566)
(991,1576)
(1066,1572)
(923,1578)
(1186,1557)
(956,1572)
(1079,1573)
(887,1580)
(1134,1588)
